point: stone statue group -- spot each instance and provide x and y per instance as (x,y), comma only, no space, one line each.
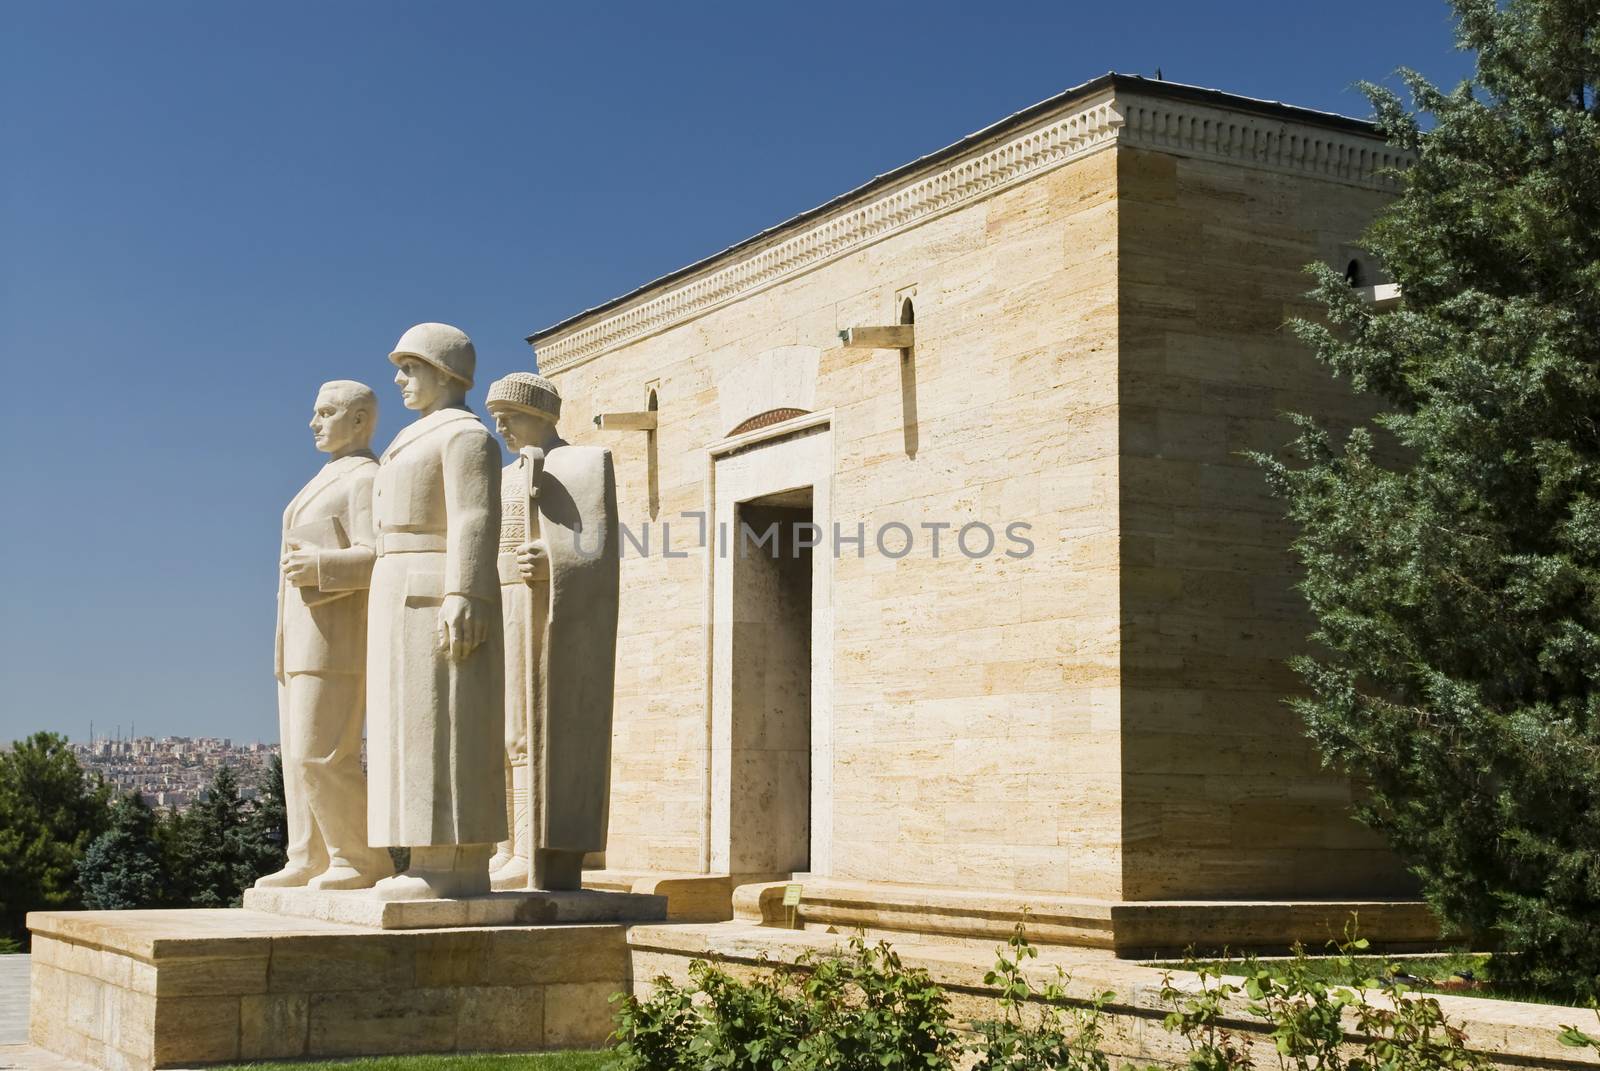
(467,615)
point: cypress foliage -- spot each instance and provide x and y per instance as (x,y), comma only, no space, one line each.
(1451,546)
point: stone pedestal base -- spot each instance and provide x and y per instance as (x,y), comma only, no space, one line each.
(524,908)
(135,990)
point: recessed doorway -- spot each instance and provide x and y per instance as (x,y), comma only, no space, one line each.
(770,789)
(771,776)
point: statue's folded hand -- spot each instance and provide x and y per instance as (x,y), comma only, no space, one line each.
(463,625)
(299,565)
(533,560)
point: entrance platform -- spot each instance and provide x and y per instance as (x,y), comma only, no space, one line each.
(1131,929)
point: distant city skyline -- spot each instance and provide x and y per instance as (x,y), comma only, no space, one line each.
(97,732)
(173,771)
(211,209)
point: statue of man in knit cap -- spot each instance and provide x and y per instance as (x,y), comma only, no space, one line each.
(558,570)
(434,654)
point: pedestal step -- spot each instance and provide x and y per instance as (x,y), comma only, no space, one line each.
(136,990)
(522,908)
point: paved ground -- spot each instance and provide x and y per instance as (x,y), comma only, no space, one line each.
(14,999)
(15,1052)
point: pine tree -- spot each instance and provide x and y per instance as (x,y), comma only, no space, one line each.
(210,841)
(49,813)
(266,832)
(123,868)
(1451,547)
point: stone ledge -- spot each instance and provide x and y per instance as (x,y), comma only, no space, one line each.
(524,908)
(1130,928)
(690,897)
(136,990)
(1511,1034)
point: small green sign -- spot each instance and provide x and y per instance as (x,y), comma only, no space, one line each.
(791,895)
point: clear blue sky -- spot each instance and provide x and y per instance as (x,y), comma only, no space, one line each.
(210,208)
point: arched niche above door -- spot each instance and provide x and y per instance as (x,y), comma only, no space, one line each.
(784,378)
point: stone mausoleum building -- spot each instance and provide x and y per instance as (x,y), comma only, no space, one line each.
(1093,295)
(1049,347)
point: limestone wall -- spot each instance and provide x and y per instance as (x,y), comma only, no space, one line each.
(1223,794)
(974,704)
(1095,347)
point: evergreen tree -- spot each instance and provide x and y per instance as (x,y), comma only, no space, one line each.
(266,833)
(123,868)
(1451,547)
(210,842)
(49,813)
(173,841)
(221,845)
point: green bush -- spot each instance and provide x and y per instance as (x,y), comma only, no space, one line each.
(1034,1032)
(1306,1019)
(865,1010)
(853,1012)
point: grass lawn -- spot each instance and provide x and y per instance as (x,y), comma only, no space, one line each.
(1468,974)
(533,1061)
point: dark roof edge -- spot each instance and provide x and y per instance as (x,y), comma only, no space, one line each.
(1111,79)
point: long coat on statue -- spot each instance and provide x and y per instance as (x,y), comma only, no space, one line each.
(434,726)
(570,619)
(323,629)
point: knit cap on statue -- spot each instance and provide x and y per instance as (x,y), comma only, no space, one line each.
(527,392)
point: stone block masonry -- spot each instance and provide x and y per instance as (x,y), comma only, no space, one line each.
(137,990)
(1099,288)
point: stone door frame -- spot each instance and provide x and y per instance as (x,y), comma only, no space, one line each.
(781,457)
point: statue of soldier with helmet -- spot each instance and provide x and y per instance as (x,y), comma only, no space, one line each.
(435,692)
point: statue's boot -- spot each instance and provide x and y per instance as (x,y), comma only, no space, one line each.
(506,850)
(513,873)
(447,872)
(292,876)
(345,876)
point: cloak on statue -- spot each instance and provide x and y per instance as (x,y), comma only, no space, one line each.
(569,728)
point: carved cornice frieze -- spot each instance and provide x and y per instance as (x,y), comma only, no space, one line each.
(1079,128)
(1186,128)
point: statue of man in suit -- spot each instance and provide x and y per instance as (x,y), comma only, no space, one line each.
(559,576)
(326,565)
(434,656)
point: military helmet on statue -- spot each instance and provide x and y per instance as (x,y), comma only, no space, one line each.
(446,348)
(526,392)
